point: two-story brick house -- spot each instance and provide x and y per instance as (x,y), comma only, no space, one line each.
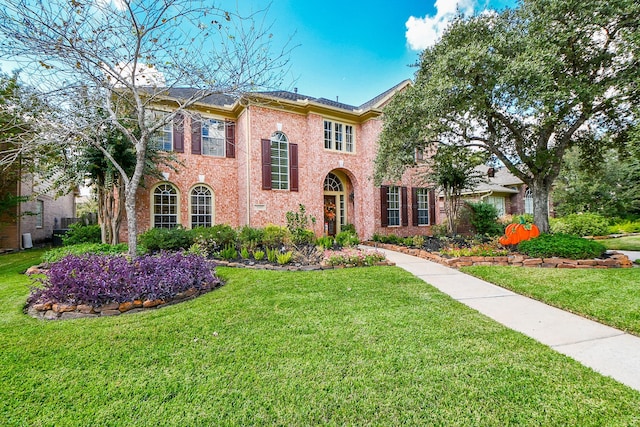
(248,161)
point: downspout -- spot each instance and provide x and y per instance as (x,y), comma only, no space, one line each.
(486,195)
(248,162)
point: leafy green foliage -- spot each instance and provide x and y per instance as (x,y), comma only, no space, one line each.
(486,249)
(561,245)
(272,254)
(325,242)
(586,224)
(608,186)
(258,255)
(229,252)
(166,239)
(249,235)
(484,218)
(54,255)
(347,239)
(244,252)
(80,233)
(275,236)
(625,227)
(213,239)
(284,257)
(298,226)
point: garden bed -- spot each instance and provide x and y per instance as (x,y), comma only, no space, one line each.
(613,259)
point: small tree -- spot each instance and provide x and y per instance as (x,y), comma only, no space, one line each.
(125,57)
(454,170)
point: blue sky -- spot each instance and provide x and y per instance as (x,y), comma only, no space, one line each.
(355,50)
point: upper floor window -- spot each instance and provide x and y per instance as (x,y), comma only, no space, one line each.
(279,162)
(162,139)
(213,137)
(339,136)
(165,206)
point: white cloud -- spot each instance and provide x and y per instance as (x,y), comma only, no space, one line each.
(118,4)
(424,32)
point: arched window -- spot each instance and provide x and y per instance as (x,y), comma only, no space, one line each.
(528,201)
(332,183)
(279,161)
(165,206)
(201,207)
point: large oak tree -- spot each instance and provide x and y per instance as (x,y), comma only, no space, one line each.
(524,85)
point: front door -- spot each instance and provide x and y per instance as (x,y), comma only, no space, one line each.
(330,215)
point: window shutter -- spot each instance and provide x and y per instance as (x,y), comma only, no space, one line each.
(196,135)
(432,206)
(178,133)
(266,164)
(414,206)
(404,207)
(230,134)
(384,205)
(293,167)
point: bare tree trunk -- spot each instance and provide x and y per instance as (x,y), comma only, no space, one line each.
(102,215)
(540,190)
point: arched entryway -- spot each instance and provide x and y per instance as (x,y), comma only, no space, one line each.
(336,185)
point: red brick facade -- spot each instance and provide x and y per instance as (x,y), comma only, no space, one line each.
(239,196)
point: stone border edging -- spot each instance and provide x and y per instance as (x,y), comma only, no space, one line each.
(617,260)
(313,267)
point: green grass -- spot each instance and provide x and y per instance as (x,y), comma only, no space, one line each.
(370,346)
(627,243)
(610,296)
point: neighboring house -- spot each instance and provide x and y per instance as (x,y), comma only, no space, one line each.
(505,191)
(249,161)
(32,221)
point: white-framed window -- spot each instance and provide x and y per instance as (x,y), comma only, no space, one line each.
(339,136)
(165,206)
(279,161)
(213,138)
(393,206)
(162,139)
(328,140)
(528,201)
(201,206)
(39,214)
(422,205)
(498,203)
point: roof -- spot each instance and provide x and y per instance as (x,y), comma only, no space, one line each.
(221,99)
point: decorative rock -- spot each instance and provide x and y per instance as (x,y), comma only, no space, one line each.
(50,315)
(86,309)
(74,315)
(532,262)
(110,306)
(125,306)
(35,269)
(42,307)
(62,308)
(152,303)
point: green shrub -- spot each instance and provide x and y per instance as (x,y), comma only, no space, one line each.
(229,252)
(585,224)
(250,236)
(272,255)
(166,239)
(284,258)
(326,242)
(275,236)
(347,239)
(561,245)
(298,226)
(214,239)
(258,255)
(244,252)
(418,241)
(624,227)
(484,218)
(57,254)
(80,233)
(349,227)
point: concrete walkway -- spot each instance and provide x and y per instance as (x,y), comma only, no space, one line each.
(606,350)
(633,255)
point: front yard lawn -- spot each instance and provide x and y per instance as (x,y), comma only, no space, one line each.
(627,243)
(368,346)
(609,296)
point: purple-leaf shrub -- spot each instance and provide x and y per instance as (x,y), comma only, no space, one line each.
(100,279)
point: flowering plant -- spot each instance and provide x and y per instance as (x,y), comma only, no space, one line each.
(355,257)
(101,279)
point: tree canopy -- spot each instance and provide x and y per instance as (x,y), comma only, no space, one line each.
(524,85)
